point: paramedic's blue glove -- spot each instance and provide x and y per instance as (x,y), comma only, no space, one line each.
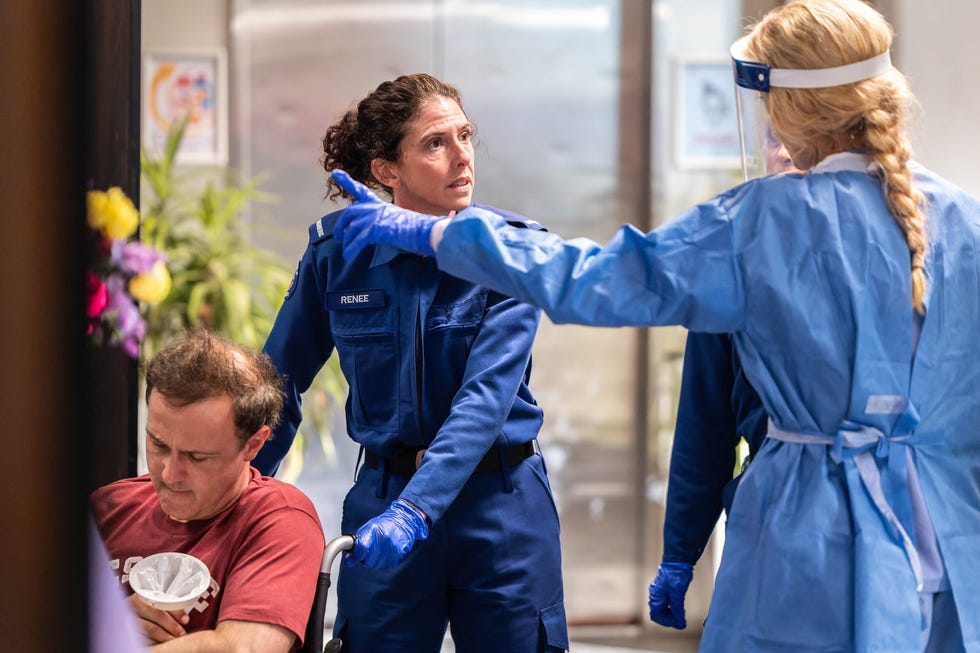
(667,594)
(386,539)
(370,221)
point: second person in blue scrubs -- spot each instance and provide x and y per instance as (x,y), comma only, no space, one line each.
(717,408)
(453,514)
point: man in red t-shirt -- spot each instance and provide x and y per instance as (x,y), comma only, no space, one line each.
(211,405)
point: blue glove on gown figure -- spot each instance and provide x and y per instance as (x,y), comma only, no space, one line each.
(383,541)
(371,220)
(667,594)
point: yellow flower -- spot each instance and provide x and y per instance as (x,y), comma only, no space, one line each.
(97,201)
(151,287)
(112,213)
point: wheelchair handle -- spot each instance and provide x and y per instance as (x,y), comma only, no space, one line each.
(333,549)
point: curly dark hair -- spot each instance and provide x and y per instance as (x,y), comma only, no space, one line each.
(376,126)
(202,364)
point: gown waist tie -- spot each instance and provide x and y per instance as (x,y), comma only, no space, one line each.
(861,445)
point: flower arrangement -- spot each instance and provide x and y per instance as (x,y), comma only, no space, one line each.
(121,273)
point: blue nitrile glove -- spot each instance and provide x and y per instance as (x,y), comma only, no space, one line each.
(386,539)
(667,594)
(370,221)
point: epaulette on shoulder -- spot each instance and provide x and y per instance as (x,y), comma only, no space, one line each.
(514,219)
(323,228)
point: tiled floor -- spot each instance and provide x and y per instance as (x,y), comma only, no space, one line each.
(622,639)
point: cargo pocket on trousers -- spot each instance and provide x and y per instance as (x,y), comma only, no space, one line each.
(554,629)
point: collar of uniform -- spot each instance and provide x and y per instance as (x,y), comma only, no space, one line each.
(384,254)
(854,160)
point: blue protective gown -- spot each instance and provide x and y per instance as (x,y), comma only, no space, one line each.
(716,408)
(440,364)
(811,275)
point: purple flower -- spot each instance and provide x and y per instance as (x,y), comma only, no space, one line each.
(134,257)
(115,285)
(130,323)
(130,328)
(132,347)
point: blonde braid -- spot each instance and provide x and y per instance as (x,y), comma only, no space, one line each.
(892,152)
(814,123)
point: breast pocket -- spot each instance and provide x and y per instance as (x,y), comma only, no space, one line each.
(451,330)
(367,345)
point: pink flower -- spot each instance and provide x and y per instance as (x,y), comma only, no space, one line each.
(98,296)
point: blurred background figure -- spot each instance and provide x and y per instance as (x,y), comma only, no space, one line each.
(112,619)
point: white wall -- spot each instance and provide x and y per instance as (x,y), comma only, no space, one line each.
(171,24)
(936,47)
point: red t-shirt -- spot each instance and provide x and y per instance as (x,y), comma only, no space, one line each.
(263,553)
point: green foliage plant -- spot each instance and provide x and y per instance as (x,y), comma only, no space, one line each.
(221,280)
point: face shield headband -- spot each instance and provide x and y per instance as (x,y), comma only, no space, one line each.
(759,148)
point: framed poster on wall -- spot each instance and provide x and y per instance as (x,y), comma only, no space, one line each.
(705,124)
(187,83)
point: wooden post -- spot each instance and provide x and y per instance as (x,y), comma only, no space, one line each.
(114,161)
(43,143)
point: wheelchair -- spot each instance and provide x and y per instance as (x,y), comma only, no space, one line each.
(313,639)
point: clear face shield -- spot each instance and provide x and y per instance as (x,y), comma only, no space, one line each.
(762,153)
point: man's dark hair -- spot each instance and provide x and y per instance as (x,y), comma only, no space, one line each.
(202,364)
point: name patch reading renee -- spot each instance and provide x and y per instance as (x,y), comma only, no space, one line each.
(355,299)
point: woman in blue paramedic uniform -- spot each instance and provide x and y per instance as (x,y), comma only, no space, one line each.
(452,510)
(853,295)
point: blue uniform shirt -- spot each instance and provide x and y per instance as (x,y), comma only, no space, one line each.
(431,361)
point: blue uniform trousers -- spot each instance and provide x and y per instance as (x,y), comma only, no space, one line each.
(490,568)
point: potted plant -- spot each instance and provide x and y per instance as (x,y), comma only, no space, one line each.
(221,280)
